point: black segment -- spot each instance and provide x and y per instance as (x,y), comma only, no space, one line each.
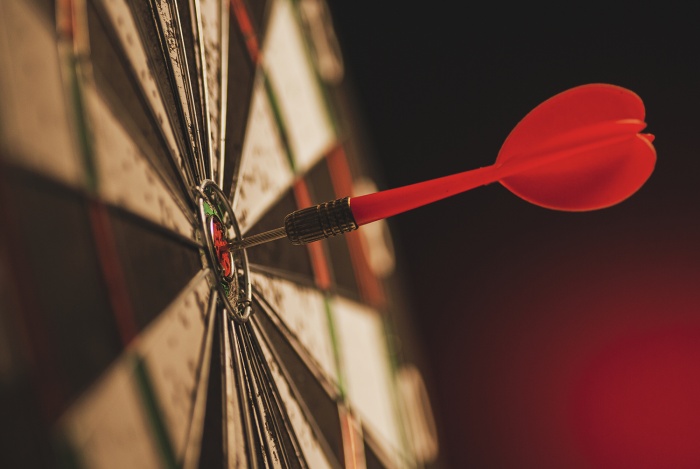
(64,279)
(24,440)
(280,254)
(19,411)
(371,459)
(259,12)
(48,9)
(23,436)
(323,409)
(157,267)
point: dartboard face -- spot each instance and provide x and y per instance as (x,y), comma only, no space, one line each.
(138,139)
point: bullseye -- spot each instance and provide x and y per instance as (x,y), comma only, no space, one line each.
(219,228)
(221,248)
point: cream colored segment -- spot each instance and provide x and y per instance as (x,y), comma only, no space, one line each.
(296,88)
(125,27)
(265,172)
(172,348)
(125,177)
(108,427)
(303,311)
(211,16)
(35,117)
(418,414)
(326,54)
(310,447)
(364,358)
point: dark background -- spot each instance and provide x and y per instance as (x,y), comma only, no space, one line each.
(555,340)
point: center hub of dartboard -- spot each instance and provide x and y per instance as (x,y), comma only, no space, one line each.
(221,248)
(219,232)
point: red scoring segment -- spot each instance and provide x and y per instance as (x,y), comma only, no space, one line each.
(579,150)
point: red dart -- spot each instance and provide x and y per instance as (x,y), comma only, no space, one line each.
(579,150)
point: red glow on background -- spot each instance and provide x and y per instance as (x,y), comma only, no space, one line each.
(638,401)
(587,360)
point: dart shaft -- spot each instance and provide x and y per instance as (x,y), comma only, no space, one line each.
(260,238)
(307,225)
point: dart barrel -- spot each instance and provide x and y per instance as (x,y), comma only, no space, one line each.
(319,222)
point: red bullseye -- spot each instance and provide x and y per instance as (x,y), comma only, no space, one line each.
(223,255)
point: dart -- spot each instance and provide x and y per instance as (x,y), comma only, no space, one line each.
(580,150)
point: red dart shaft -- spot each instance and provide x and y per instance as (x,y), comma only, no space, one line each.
(384,204)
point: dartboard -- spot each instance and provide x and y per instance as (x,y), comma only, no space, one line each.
(139,141)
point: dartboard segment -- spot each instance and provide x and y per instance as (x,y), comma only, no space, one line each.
(299,416)
(174,352)
(265,172)
(303,313)
(128,50)
(125,78)
(147,409)
(125,177)
(156,266)
(108,426)
(368,371)
(295,87)
(36,116)
(315,394)
(70,327)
